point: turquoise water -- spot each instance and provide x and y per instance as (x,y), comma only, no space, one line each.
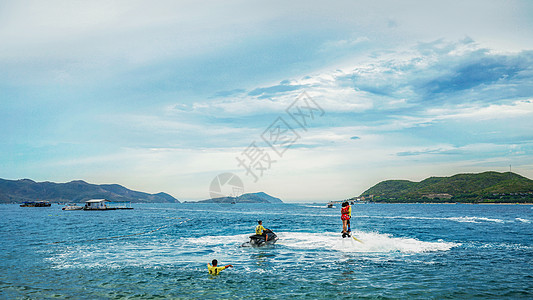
(161,251)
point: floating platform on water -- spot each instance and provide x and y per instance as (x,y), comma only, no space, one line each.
(101,204)
(108,208)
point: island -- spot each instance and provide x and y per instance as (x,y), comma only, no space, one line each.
(77,191)
(486,187)
(259,197)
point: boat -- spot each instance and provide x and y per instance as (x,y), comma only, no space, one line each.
(257,240)
(72,207)
(36,204)
(100,204)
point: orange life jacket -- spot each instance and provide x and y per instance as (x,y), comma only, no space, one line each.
(345,210)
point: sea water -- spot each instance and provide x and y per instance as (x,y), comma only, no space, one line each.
(161,251)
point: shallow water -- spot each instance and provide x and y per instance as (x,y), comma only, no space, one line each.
(161,251)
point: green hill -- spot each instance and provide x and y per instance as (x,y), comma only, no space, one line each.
(259,197)
(486,187)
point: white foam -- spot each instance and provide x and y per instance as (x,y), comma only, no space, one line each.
(372,242)
(475,220)
(464,219)
(315,206)
(198,250)
(211,240)
(523,220)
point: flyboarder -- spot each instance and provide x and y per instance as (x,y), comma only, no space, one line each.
(346,214)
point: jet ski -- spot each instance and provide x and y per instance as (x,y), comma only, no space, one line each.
(259,240)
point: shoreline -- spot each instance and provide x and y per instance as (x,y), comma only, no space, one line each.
(450,203)
(317,203)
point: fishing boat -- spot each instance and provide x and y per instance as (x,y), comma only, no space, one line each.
(36,204)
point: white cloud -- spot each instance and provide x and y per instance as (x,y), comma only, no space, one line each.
(518,108)
(435,75)
(348,44)
(136,30)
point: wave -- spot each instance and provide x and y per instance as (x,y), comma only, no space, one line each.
(199,250)
(372,242)
(212,240)
(315,206)
(464,219)
(474,219)
(523,220)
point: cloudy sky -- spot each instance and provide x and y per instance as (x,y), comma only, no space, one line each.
(166,95)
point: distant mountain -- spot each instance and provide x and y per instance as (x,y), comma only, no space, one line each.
(245,198)
(259,197)
(490,187)
(75,191)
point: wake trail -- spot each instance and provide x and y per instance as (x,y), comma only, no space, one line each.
(371,242)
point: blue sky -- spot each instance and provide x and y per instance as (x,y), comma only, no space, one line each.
(165,96)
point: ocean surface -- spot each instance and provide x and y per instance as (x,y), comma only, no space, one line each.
(158,251)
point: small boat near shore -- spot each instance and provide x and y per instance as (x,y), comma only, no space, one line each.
(72,207)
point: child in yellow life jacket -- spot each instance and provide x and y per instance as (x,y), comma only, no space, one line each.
(346,214)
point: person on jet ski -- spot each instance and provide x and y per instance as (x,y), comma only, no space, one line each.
(260,230)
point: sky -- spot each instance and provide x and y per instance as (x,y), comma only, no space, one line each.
(304,100)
